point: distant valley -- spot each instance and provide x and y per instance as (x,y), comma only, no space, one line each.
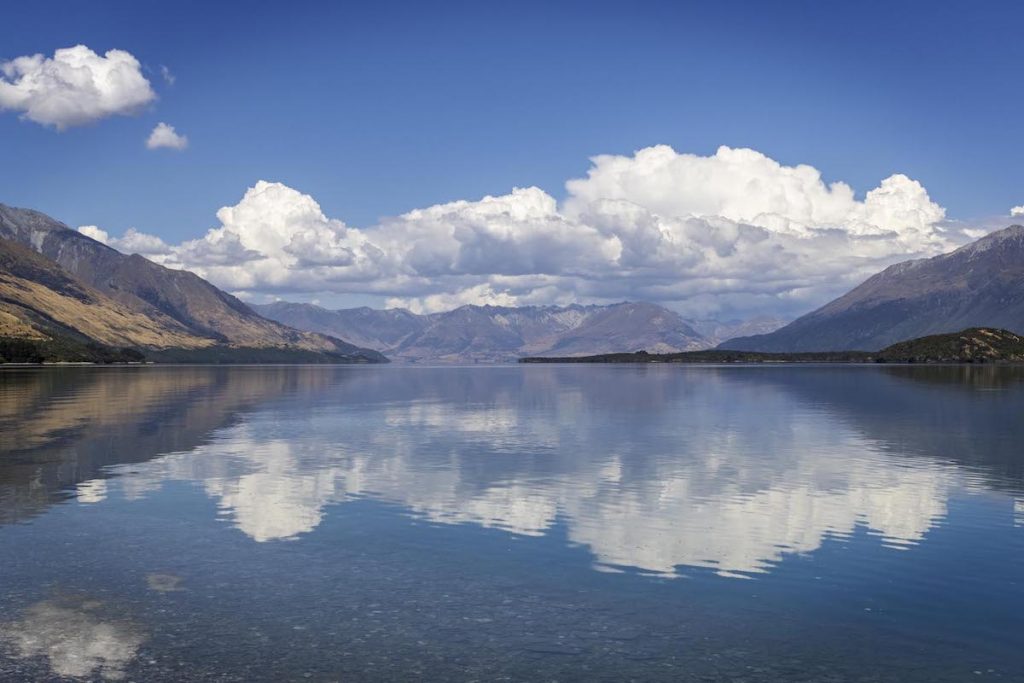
(489,334)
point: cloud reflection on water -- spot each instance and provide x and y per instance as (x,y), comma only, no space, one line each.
(75,636)
(723,474)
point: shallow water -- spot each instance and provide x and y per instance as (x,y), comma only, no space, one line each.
(829,523)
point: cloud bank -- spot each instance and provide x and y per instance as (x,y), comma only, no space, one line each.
(74,87)
(733,232)
(164,136)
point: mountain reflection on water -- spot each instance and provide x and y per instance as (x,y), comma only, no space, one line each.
(63,427)
(651,468)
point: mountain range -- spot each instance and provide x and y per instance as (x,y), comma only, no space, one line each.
(979,285)
(487,334)
(66,296)
(58,283)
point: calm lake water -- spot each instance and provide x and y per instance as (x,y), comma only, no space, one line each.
(829,523)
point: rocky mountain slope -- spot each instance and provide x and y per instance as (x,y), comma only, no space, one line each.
(497,333)
(978,285)
(73,285)
(38,300)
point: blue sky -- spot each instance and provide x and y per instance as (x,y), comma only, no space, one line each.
(375,109)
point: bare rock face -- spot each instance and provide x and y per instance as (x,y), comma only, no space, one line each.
(484,334)
(178,301)
(978,285)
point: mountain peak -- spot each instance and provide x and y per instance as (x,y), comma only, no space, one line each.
(1013,232)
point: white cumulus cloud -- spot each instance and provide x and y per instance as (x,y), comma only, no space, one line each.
(745,186)
(74,87)
(164,135)
(1017,211)
(734,232)
(479,295)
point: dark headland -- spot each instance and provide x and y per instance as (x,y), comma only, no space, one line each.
(974,345)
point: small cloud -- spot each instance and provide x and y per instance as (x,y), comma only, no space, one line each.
(168,77)
(1017,211)
(164,135)
(136,242)
(95,233)
(74,87)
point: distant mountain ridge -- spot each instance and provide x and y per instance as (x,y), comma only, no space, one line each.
(978,285)
(129,300)
(976,345)
(499,333)
(717,331)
